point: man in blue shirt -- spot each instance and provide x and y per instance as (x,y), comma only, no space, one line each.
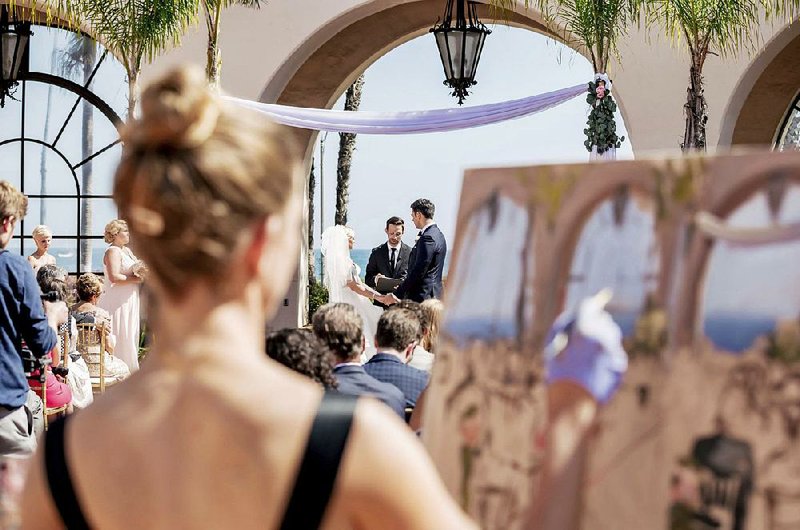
(396,337)
(340,327)
(22,316)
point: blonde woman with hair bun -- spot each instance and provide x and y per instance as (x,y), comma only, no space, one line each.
(43,238)
(121,296)
(212,433)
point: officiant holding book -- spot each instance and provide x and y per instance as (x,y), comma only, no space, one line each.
(388,263)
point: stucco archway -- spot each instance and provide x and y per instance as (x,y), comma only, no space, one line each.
(764,92)
(319,71)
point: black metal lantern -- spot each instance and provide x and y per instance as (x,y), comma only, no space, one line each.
(460,41)
(14,38)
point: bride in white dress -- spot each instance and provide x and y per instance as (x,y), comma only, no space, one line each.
(343,280)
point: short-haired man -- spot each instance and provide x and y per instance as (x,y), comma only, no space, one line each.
(420,357)
(395,340)
(21,317)
(426,262)
(390,259)
(339,326)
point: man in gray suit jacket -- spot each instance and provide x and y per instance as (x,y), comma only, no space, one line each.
(340,327)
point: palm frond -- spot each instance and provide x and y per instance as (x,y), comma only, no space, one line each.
(722,26)
(138,29)
(595,25)
(224,4)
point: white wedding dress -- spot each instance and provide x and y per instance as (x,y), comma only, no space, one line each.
(339,270)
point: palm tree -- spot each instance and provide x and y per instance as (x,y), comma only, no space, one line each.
(312,184)
(213,10)
(81,55)
(347,145)
(719,27)
(46,135)
(136,31)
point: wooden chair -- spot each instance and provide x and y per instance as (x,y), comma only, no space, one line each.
(50,411)
(92,347)
(41,391)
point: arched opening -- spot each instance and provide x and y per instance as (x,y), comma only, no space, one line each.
(319,72)
(60,144)
(767,281)
(618,249)
(765,91)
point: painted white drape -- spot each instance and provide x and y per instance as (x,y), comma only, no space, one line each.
(715,227)
(413,122)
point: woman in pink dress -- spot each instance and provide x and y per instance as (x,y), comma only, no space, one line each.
(121,297)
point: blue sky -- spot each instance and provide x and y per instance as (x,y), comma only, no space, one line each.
(389,172)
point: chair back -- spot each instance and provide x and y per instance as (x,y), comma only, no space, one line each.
(92,346)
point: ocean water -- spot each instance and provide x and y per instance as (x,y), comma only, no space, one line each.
(731,333)
(360,257)
(68,257)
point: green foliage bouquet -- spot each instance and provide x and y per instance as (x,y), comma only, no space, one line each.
(601,129)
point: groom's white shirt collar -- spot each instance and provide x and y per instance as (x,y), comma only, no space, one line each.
(430,224)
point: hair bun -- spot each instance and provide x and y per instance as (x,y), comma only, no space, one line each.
(178,111)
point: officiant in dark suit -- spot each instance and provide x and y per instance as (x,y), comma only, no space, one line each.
(426,262)
(390,259)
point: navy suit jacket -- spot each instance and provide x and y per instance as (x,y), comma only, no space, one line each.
(354,381)
(389,369)
(425,267)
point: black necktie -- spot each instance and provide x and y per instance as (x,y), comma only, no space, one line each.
(391,260)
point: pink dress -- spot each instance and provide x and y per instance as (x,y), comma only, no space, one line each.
(58,393)
(122,303)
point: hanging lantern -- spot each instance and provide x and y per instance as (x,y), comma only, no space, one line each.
(460,41)
(14,37)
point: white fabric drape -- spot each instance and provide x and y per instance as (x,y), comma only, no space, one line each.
(413,122)
(715,227)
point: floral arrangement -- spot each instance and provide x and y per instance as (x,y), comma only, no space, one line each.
(139,269)
(601,129)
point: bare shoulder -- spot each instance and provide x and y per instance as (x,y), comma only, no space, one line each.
(388,478)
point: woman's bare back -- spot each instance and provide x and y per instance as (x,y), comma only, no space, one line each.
(184,447)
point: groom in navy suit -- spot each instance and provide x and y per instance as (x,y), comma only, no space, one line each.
(426,262)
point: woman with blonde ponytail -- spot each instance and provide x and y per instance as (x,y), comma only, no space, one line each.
(211,433)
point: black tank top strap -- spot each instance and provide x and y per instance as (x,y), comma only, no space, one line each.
(59,479)
(316,477)
(313,486)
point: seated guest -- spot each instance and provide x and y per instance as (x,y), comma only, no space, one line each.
(340,327)
(52,282)
(398,332)
(89,289)
(421,358)
(434,311)
(43,237)
(301,351)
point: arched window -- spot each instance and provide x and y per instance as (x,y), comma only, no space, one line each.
(59,144)
(788,137)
